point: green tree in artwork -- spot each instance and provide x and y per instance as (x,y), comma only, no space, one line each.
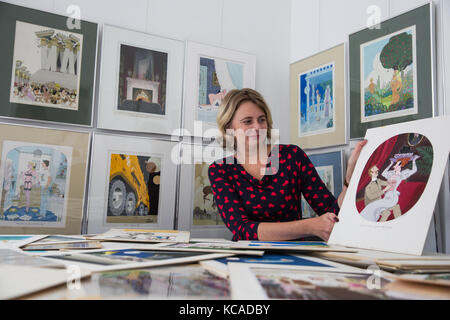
(397,53)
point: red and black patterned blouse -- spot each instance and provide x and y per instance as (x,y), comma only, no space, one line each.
(244,201)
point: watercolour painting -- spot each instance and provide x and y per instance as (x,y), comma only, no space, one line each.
(396,182)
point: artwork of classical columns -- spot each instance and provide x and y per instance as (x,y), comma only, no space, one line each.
(58,46)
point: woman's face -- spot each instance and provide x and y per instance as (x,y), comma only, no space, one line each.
(249,123)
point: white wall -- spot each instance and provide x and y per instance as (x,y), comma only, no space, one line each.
(317,25)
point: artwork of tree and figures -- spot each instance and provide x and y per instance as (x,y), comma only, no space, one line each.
(34,184)
(394,177)
(391,71)
(388,71)
(216,78)
(205,208)
(133,194)
(316,101)
(142,80)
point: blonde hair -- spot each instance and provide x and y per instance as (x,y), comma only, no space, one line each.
(231,102)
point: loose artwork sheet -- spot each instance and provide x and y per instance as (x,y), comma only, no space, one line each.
(18,281)
(277,261)
(184,282)
(265,282)
(393,191)
(143,235)
(129,258)
(310,246)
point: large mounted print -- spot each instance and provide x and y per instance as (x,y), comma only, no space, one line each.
(141,82)
(329,167)
(132,183)
(318,99)
(211,72)
(42,174)
(391,72)
(197,209)
(48,73)
(394,187)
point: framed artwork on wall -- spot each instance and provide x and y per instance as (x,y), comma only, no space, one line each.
(318,99)
(392,71)
(211,72)
(48,70)
(329,167)
(43,174)
(197,210)
(132,183)
(397,179)
(141,82)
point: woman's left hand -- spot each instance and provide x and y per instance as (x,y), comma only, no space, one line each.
(353,159)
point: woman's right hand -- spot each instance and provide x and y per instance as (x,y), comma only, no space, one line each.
(323,225)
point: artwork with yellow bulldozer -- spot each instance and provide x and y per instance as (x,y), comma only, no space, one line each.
(133,194)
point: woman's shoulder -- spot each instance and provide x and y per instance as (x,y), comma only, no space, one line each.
(290,149)
(221,163)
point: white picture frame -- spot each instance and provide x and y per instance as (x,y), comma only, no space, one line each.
(193,155)
(407,233)
(109,115)
(244,78)
(104,146)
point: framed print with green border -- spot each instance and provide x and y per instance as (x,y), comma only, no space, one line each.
(48,66)
(318,99)
(43,177)
(391,77)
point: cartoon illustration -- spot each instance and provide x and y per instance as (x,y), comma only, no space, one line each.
(33,188)
(394,177)
(405,171)
(47,66)
(142,80)
(316,101)
(133,195)
(216,78)
(205,209)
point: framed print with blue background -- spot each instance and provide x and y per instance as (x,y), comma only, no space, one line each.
(391,71)
(211,72)
(318,99)
(197,210)
(48,70)
(141,82)
(329,168)
(43,176)
(132,183)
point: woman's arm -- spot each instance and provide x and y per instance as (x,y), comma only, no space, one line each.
(278,231)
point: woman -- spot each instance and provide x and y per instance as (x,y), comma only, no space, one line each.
(257,190)
(394,177)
